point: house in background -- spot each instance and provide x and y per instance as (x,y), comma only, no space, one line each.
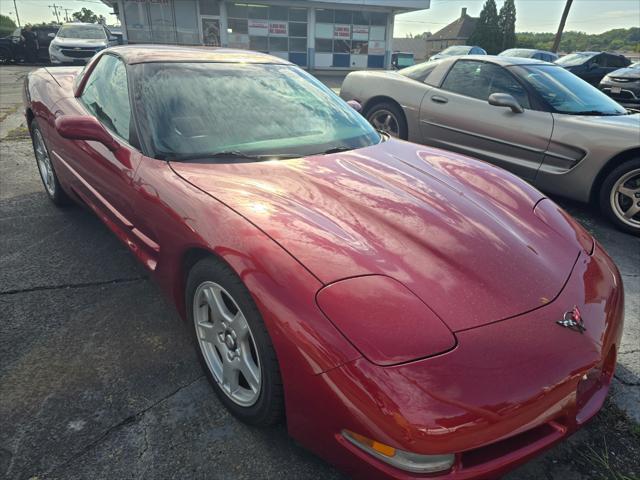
(416,45)
(456,33)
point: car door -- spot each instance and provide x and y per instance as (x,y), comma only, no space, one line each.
(457,116)
(103,177)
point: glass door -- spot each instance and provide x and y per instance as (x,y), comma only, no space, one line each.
(210,30)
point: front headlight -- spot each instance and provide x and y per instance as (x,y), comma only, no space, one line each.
(54,47)
(407,461)
(384,320)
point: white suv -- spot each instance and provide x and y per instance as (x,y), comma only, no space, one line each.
(78,42)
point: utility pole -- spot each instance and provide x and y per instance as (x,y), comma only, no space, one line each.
(66,15)
(15,7)
(55,11)
(563,20)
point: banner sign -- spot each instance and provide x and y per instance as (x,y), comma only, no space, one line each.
(259,28)
(342,31)
(278,29)
(360,32)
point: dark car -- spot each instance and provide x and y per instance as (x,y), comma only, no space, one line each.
(593,66)
(543,55)
(623,85)
(13,48)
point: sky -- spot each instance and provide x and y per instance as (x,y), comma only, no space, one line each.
(591,16)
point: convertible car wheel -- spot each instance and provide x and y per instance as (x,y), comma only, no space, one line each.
(388,118)
(45,167)
(233,344)
(620,196)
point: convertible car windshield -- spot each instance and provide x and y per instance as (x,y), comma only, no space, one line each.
(566,93)
(209,111)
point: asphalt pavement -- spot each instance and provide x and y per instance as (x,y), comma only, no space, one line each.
(98,376)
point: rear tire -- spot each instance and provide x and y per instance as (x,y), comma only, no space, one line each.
(233,344)
(389,118)
(45,167)
(620,196)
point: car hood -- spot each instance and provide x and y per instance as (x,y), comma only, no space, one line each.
(78,42)
(625,73)
(457,232)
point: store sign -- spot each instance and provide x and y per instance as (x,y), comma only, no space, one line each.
(376,48)
(278,29)
(360,32)
(342,31)
(259,28)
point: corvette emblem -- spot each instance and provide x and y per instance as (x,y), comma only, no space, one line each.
(572,320)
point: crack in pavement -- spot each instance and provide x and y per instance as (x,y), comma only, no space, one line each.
(73,285)
(126,421)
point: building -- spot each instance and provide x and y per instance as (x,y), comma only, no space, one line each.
(316,34)
(416,45)
(456,33)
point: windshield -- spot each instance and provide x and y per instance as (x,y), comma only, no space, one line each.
(84,32)
(198,110)
(567,93)
(574,59)
(515,52)
(635,66)
(458,50)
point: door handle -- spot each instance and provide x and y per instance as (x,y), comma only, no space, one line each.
(439,99)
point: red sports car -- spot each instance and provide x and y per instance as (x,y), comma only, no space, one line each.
(409,311)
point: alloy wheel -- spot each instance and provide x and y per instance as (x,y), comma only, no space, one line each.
(385,121)
(227,343)
(44,163)
(625,198)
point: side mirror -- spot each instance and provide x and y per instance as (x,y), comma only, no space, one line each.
(79,127)
(355,105)
(51,35)
(505,100)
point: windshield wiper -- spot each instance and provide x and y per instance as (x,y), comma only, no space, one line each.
(336,150)
(230,155)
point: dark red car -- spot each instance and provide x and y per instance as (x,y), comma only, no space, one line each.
(409,311)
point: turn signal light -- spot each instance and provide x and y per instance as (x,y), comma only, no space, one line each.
(410,462)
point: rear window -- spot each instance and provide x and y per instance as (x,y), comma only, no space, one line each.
(419,72)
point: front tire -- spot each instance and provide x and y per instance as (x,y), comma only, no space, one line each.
(620,196)
(47,173)
(233,344)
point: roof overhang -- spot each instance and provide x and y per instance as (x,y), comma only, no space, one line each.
(405,5)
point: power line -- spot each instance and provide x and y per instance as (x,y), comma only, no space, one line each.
(55,11)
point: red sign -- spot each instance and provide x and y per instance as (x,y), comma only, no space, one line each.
(279,28)
(342,31)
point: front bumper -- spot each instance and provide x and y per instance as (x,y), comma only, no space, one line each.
(78,57)
(625,93)
(508,391)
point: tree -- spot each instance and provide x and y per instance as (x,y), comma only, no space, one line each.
(507,24)
(87,16)
(487,33)
(7,26)
(563,21)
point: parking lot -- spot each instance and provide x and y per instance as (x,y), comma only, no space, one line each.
(99,378)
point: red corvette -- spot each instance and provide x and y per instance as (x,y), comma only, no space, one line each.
(409,311)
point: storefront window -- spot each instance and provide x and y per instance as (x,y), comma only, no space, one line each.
(345,38)
(137,21)
(163,28)
(207,7)
(186,22)
(279,30)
